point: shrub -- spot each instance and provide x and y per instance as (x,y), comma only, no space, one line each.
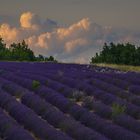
(66,125)
(35,84)
(88,102)
(78,95)
(117,110)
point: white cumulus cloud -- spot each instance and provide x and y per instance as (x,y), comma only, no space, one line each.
(8,33)
(75,43)
(29,20)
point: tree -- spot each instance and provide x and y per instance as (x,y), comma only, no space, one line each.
(21,52)
(40,58)
(2,44)
(127,54)
(4,52)
(51,58)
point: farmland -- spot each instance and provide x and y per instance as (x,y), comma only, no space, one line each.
(52,101)
(120,67)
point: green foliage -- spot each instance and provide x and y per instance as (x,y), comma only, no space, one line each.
(88,102)
(4,53)
(45,59)
(2,44)
(78,95)
(66,126)
(40,58)
(20,52)
(118,54)
(35,84)
(124,68)
(51,59)
(117,110)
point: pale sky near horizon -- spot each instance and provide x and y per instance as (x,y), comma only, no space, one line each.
(115,13)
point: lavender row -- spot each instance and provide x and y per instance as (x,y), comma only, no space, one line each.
(56,118)
(101,109)
(79,113)
(130,77)
(30,120)
(115,91)
(106,97)
(10,130)
(53,115)
(105,86)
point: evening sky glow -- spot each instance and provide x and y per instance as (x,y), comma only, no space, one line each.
(70,30)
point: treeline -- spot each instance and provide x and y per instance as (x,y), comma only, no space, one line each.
(20,52)
(127,54)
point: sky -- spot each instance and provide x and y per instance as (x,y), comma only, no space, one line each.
(70,30)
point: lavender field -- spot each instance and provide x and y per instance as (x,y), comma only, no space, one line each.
(52,101)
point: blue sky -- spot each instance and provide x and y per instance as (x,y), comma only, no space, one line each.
(71,30)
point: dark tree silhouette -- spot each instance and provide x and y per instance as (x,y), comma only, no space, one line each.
(112,53)
(20,52)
